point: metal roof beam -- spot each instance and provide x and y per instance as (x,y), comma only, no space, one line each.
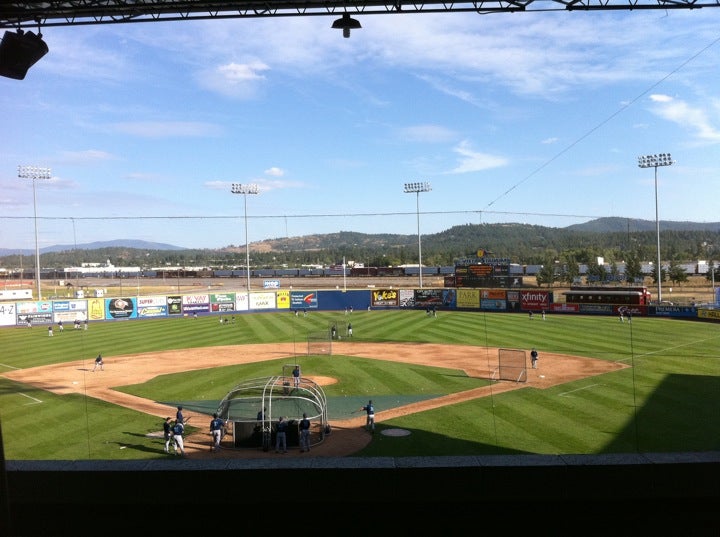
(85,12)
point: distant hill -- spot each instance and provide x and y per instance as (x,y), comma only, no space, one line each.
(118,243)
(469,236)
(623,225)
(523,241)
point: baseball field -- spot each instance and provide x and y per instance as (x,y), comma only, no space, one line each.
(601,386)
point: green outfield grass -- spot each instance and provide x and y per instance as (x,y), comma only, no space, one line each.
(667,401)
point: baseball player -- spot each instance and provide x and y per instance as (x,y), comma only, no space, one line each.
(178,430)
(370,421)
(216,427)
(167,433)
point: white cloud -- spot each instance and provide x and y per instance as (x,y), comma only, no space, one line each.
(473,161)
(427,133)
(693,118)
(660,98)
(275,172)
(237,80)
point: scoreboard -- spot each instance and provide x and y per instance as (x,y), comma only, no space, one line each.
(485,275)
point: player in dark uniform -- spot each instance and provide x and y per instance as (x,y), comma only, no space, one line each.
(370,421)
(216,428)
(167,433)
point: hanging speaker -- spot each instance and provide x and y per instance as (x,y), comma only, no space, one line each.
(19,52)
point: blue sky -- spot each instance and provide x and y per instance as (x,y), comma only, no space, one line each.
(529,117)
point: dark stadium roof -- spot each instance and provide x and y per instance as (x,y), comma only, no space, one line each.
(84,12)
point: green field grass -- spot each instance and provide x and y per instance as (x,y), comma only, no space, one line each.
(667,401)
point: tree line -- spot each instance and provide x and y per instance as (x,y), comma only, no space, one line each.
(559,250)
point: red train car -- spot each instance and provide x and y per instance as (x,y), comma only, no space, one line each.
(623,296)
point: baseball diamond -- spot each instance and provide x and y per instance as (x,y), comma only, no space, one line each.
(347,435)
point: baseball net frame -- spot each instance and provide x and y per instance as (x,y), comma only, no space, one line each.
(512,365)
(319,343)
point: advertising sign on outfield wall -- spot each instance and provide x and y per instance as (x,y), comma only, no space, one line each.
(242,302)
(262,301)
(174,305)
(196,303)
(121,308)
(283,300)
(8,314)
(39,312)
(69,310)
(426,298)
(709,314)
(493,305)
(222,302)
(535,300)
(96,309)
(152,306)
(406,298)
(449,298)
(468,298)
(384,298)
(300,300)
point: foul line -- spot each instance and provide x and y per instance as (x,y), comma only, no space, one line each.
(35,401)
(665,349)
(583,388)
(9,366)
(678,346)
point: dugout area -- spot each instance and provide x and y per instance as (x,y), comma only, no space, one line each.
(252,408)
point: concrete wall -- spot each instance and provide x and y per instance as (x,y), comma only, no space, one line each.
(632,494)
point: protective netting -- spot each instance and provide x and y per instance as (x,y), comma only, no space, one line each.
(319,343)
(512,365)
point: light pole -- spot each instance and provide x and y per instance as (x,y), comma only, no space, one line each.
(416,188)
(33,173)
(654,161)
(238,188)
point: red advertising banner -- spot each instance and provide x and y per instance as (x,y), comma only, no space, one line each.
(535,300)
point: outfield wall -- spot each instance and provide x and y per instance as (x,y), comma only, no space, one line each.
(70,311)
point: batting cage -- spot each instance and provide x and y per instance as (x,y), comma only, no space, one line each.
(512,365)
(251,410)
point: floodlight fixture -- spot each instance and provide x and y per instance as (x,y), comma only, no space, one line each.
(245,189)
(346,23)
(417,188)
(34,173)
(655,161)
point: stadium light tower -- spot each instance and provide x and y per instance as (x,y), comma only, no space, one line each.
(654,161)
(34,173)
(238,188)
(416,188)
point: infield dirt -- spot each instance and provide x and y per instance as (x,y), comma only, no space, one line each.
(347,436)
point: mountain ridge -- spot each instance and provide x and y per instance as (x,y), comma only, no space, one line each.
(320,241)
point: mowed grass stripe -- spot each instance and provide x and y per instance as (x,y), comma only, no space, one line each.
(554,424)
(673,387)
